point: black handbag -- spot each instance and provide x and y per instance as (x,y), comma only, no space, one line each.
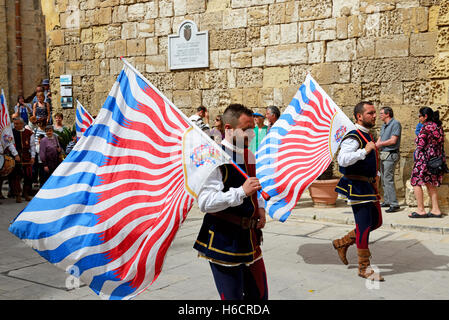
(437,165)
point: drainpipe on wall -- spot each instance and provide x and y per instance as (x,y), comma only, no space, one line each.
(19,49)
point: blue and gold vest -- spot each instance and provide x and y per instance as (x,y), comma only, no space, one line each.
(222,241)
(357,190)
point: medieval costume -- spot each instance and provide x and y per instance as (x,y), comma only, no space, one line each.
(25,146)
(358,186)
(228,237)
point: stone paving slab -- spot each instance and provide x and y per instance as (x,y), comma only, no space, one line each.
(49,275)
(300,261)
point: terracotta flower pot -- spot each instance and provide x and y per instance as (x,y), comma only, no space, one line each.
(323,193)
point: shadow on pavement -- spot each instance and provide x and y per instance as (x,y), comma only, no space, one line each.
(393,257)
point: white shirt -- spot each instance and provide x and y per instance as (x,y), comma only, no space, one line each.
(212,199)
(350,151)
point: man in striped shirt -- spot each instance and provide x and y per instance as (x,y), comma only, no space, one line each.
(201,119)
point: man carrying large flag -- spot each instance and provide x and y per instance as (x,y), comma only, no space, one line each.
(358,161)
(110,211)
(300,147)
(230,235)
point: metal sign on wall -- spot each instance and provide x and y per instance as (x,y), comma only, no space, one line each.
(65,80)
(189,48)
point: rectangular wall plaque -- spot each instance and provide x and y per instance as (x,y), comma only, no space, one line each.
(65,79)
(189,48)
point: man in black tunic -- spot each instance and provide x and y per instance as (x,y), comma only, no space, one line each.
(230,235)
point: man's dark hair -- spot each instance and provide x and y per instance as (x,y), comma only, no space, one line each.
(360,108)
(275,111)
(233,112)
(201,108)
(388,110)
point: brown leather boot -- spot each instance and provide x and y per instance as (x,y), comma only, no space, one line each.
(25,194)
(342,245)
(18,199)
(26,197)
(365,270)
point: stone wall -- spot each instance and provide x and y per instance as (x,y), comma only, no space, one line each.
(33,48)
(3,49)
(392,52)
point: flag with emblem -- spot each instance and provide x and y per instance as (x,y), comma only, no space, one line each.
(299,147)
(110,211)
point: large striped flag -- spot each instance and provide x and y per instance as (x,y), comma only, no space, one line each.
(5,123)
(83,120)
(299,147)
(111,209)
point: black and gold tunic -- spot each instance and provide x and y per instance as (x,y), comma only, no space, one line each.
(357,190)
(225,242)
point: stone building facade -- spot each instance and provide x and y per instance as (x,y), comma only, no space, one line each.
(33,47)
(392,52)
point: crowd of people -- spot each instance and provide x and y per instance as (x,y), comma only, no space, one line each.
(235,215)
(35,152)
(217,130)
(37,118)
(429,144)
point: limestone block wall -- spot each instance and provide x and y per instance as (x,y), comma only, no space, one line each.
(33,48)
(3,48)
(392,52)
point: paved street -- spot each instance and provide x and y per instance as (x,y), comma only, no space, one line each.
(299,258)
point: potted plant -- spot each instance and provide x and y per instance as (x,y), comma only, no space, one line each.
(322,190)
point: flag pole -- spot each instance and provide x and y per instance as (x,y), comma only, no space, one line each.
(375,147)
(263,193)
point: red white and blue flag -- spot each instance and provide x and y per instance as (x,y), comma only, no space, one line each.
(5,123)
(112,208)
(83,120)
(299,147)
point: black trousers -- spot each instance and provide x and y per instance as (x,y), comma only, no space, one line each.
(368,217)
(241,282)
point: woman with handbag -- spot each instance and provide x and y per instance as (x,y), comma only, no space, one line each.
(429,148)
